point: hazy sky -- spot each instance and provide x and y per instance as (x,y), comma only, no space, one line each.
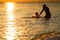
(30,0)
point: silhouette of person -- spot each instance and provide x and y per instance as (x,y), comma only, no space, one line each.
(46,9)
(36,15)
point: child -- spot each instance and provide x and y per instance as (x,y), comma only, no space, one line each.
(37,15)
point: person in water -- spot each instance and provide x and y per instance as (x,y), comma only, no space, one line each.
(46,9)
(36,15)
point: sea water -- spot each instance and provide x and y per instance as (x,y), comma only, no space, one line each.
(14,25)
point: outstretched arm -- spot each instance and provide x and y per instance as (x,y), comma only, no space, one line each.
(41,11)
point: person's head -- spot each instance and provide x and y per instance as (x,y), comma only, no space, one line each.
(44,6)
(36,13)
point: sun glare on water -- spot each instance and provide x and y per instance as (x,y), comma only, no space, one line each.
(10,8)
(10,29)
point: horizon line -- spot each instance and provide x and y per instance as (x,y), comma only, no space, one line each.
(29,1)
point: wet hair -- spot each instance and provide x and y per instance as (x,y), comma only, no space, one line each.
(36,13)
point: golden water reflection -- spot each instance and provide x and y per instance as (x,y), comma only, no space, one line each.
(10,8)
(10,29)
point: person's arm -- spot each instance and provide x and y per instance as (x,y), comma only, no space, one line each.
(41,11)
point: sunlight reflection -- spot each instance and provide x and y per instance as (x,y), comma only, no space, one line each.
(10,30)
(10,7)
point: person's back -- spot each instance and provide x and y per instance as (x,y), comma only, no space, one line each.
(48,14)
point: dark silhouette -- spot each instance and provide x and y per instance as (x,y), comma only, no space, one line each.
(46,9)
(36,15)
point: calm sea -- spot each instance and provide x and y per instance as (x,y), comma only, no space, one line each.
(14,25)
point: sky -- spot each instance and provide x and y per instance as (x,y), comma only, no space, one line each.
(29,0)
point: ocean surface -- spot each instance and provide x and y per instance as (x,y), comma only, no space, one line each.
(15,26)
